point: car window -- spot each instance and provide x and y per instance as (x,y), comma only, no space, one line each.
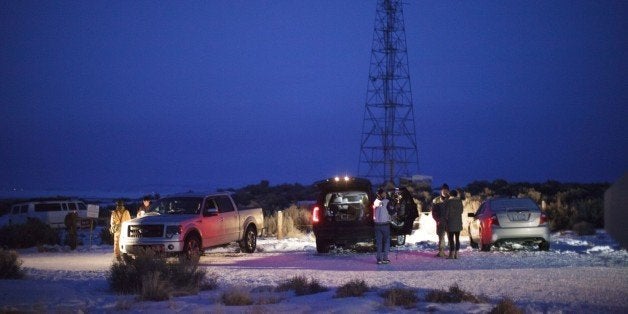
(64,206)
(177,205)
(24,209)
(514,203)
(47,207)
(82,206)
(72,206)
(224,204)
(15,209)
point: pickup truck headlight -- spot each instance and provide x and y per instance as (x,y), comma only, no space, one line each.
(172,231)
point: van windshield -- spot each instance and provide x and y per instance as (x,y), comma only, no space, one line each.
(177,205)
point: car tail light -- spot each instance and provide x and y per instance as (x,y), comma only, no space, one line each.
(494,220)
(315,214)
(544,219)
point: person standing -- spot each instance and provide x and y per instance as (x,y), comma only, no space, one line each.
(143,209)
(454,223)
(118,216)
(438,210)
(70,225)
(382,227)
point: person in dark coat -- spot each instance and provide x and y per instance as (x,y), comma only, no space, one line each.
(438,213)
(453,219)
(70,225)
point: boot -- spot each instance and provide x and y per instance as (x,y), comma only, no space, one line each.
(440,253)
(456,255)
(451,255)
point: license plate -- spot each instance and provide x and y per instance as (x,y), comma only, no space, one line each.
(519,216)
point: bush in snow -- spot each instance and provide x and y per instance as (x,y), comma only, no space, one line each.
(302,286)
(400,297)
(33,233)
(155,287)
(105,236)
(236,296)
(584,228)
(353,288)
(296,222)
(178,277)
(454,295)
(10,265)
(506,306)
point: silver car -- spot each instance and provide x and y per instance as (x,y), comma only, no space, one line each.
(502,220)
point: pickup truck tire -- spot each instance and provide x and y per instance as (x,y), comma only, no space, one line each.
(249,242)
(322,246)
(192,247)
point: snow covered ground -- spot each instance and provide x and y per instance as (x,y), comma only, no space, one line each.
(579,274)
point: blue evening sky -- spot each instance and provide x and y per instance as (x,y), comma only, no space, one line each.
(147,95)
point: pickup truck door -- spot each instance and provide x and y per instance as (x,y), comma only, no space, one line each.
(231,218)
(212,225)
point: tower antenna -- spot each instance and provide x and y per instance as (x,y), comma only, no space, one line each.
(388,149)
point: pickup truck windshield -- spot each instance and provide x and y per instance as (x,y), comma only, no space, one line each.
(177,205)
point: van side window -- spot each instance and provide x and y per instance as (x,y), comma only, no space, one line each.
(72,206)
(23,209)
(82,206)
(224,204)
(65,206)
(15,210)
(48,207)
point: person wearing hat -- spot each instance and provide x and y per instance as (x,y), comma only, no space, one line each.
(143,209)
(381,217)
(438,213)
(118,216)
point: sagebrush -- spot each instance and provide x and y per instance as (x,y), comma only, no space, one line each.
(404,297)
(302,286)
(353,288)
(10,265)
(30,234)
(155,278)
(454,295)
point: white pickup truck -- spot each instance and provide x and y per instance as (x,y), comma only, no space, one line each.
(189,223)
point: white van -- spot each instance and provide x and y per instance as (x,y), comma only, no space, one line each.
(51,212)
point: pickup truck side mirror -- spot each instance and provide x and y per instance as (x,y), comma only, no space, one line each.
(471,215)
(210,211)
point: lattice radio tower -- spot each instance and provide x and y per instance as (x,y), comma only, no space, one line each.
(388,149)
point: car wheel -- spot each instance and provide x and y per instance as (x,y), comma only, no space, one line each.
(192,248)
(322,246)
(398,240)
(544,246)
(249,243)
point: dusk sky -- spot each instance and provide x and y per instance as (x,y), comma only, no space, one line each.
(151,95)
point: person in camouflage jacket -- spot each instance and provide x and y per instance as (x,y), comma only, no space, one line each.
(118,216)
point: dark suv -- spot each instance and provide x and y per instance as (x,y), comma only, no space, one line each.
(343,214)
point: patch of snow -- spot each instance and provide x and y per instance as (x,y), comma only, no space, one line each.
(578,274)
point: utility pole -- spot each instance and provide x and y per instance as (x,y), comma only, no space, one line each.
(388,149)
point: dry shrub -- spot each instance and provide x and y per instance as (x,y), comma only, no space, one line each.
(155,288)
(30,234)
(302,286)
(353,288)
(10,265)
(236,296)
(454,295)
(506,306)
(178,277)
(296,222)
(584,228)
(400,297)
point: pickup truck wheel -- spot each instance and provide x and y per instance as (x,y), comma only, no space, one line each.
(322,246)
(250,240)
(192,248)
